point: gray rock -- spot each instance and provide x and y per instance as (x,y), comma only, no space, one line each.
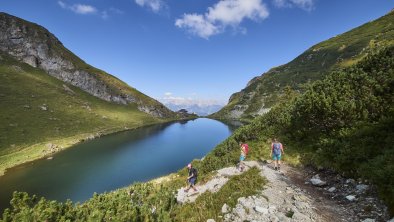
(210,220)
(369,220)
(44,107)
(361,188)
(274,218)
(317,182)
(350,198)
(225,209)
(350,181)
(392,220)
(317,176)
(272,209)
(261,210)
(332,189)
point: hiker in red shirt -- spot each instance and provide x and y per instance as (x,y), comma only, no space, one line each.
(244,152)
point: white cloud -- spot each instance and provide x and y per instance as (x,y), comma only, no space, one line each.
(154,5)
(62,4)
(78,8)
(221,15)
(116,11)
(167,94)
(89,9)
(83,9)
(197,25)
(307,5)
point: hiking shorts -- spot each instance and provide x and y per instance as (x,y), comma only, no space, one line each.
(192,181)
(242,158)
(276,156)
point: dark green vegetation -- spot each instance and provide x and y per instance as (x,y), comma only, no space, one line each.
(341,51)
(139,202)
(38,109)
(344,122)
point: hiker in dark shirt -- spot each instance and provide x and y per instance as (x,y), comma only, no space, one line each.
(192,178)
(276,153)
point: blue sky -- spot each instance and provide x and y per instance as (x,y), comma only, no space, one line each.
(193,50)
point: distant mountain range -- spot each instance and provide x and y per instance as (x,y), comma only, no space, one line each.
(199,109)
(263,92)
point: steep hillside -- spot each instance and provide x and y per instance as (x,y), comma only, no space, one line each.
(262,92)
(36,46)
(40,114)
(343,122)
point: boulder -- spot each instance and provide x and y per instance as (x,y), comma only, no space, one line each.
(261,210)
(352,181)
(332,189)
(317,182)
(361,188)
(225,209)
(350,198)
(44,107)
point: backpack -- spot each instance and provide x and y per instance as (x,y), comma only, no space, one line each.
(246,148)
(194,172)
(276,149)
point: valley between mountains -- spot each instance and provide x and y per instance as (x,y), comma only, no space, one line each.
(331,107)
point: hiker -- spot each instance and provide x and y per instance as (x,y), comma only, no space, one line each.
(192,178)
(244,152)
(276,153)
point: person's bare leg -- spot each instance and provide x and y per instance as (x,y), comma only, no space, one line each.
(278,164)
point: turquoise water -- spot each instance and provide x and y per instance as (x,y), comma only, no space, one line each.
(114,161)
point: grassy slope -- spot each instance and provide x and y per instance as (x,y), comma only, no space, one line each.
(150,201)
(56,48)
(340,51)
(71,116)
(368,119)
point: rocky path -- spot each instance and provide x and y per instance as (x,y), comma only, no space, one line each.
(288,196)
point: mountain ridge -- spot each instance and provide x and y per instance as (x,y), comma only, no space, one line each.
(262,92)
(36,46)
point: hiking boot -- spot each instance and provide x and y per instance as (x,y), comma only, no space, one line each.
(276,168)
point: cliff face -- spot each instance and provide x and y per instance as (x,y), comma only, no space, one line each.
(33,44)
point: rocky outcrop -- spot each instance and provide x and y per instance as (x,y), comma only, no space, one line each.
(39,48)
(287,198)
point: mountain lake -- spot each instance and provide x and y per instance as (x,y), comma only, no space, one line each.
(115,161)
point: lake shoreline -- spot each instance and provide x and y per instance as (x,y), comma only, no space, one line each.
(66,143)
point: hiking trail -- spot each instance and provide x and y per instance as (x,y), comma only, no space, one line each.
(290,195)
